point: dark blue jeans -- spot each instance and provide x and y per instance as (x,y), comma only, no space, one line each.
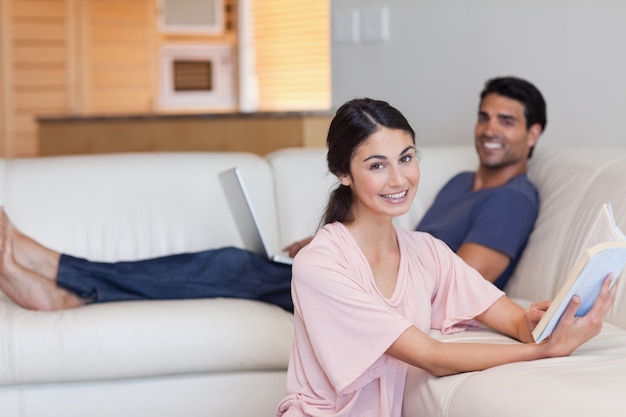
(227,272)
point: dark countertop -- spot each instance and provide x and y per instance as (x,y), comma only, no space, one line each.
(175,116)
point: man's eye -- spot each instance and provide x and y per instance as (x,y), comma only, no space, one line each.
(507,121)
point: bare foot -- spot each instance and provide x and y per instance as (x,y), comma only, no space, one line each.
(28,252)
(29,289)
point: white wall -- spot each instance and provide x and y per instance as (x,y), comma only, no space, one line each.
(440,53)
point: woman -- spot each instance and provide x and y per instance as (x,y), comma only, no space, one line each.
(366,293)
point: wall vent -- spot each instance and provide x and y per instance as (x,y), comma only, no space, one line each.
(191,16)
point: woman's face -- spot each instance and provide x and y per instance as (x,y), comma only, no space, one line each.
(384,174)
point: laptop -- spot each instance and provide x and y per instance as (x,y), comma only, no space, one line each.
(245,216)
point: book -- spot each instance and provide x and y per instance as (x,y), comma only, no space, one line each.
(604,253)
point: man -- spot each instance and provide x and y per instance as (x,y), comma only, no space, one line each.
(485,216)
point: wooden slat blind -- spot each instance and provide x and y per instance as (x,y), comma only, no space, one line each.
(292,40)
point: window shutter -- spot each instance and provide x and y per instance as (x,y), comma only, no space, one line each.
(292,40)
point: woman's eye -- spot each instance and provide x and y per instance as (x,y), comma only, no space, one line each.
(376,166)
(405,159)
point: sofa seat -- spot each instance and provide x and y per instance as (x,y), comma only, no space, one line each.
(589,382)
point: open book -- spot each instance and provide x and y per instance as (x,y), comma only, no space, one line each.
(604,253)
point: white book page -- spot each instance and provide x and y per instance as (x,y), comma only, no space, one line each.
(603,229)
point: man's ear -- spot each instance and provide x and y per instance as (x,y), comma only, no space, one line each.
(533,134)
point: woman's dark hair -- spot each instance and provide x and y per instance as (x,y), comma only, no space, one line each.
(526,93)
(354,122)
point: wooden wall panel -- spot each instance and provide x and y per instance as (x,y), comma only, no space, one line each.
(5,77)
(119,56)
(38,8)
(39,82)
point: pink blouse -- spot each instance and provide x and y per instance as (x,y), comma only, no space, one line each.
(344,325)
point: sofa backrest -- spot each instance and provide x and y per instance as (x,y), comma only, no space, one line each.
(572,184)
(131,206)
(299,212)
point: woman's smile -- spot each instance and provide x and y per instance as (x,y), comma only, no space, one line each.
(396,197)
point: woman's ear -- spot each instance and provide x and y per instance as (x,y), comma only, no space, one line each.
(344,179)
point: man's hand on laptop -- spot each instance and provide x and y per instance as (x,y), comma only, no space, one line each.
(296,246)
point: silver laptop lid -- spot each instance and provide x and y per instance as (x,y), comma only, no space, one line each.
(245,215)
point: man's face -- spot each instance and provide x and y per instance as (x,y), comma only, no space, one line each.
(501,136)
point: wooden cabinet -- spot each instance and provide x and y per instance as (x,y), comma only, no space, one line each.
(258,133)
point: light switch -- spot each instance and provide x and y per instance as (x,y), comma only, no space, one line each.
(375,24)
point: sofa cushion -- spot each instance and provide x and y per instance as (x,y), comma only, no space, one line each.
(142,338)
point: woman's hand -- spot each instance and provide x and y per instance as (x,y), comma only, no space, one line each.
(535,313)
(572,331)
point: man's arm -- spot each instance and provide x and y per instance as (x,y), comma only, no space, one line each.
(489,262)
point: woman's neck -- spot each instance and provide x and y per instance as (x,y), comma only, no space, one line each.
(373,234)
(379,245)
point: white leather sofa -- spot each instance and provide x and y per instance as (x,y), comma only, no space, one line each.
(227,357)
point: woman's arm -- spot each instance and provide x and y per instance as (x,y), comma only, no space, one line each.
(509,318)
(438,358)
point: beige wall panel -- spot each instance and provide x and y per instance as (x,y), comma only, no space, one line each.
(117,59)
(25,123)
(51,54)
(39,77)
(23,146)
(118,9)
(120,100)
(27,136)
(129,34)
(38,9)
(5,78)
(119,77)
(33,101)
(39,80)
(38,31)
(122,56)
